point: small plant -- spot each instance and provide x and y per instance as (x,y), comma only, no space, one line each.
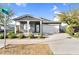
(40,35)
(1,36)
(11,34)
(31,35)
(21,36)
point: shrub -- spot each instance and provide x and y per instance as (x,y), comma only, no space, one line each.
(31,35)
(40,35)
(70,30)
(11,34)
(76,34)
(21,36)
(1,36)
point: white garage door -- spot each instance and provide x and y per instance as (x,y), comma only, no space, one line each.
(50,28)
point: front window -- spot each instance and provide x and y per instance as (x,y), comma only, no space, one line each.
(37,28)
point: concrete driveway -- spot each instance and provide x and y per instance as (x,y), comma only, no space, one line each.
(64,44)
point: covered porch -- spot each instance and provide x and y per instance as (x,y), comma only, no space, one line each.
(29,26)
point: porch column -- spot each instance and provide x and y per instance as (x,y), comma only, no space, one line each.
(41,28)
(28,27)
(15,27)
(19,26)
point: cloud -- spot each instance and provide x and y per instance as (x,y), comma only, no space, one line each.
(57,12)
(55,7)
(21,4)
(56,18)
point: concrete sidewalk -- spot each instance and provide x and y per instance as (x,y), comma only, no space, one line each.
(2,43)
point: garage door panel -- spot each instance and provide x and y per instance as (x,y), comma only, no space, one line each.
(50,29)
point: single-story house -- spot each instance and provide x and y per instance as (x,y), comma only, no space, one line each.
(29,23)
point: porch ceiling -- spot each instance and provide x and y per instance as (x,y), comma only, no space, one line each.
(36,22)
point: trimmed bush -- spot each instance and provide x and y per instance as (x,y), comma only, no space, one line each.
(21,36)
(40,35)
(10,32)
(11,35)
(30,35)
(1,36)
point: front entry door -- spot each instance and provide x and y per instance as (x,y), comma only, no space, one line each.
(37,28)
(25,27)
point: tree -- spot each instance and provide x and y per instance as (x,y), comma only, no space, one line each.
(5,15)
(8,17)
(70,17)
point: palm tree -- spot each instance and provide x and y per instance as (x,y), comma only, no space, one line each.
(70,17)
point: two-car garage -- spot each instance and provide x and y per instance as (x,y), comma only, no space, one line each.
(51,27)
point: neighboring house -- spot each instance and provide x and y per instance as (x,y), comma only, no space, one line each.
(28,23)
(8,27)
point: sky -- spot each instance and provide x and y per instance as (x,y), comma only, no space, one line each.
(45,10)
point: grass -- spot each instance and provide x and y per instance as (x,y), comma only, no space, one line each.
(30,49)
